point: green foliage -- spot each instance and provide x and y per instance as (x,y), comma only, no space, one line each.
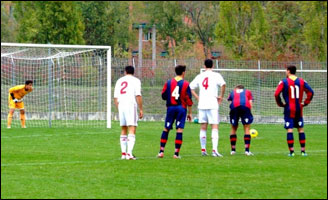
(8,25)
(49,22)
(314,17)
(241,27)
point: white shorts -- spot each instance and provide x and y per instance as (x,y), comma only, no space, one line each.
(128,115)
(208,116)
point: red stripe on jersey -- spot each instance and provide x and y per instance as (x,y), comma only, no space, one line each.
(164,88)
(236,99)
(248,98)
(185,99)
(292,101)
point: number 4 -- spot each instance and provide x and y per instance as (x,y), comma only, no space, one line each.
(175,93)
(205,83)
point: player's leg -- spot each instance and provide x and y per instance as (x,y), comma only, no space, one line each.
(123,141)
(132,123)
(22,117)
(202,119)
(213,119)
(180,122)
(246,119)
(299,124)
(289,124)
(169,120)
(124,131)
(10,117)
(234,118)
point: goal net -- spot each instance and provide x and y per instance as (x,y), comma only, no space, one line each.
(70,84)
(263,83)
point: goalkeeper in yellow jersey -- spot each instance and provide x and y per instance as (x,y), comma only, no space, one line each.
(15,101)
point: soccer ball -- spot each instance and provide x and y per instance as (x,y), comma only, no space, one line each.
(253,133)
(196,120)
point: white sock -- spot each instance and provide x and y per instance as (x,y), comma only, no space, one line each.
(123,141)
(202,138)
(215,139)
(131,142)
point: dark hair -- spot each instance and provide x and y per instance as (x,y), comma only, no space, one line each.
(180,69)
(129,70)
(240,87)
(208,63)
(291,69)
(28,82)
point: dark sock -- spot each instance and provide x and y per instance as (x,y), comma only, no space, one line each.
(163,140)
(233,140)
(178,143)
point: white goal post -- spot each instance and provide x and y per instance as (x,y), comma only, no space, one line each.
(72,84)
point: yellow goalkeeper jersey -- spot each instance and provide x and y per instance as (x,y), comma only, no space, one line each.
(18,91)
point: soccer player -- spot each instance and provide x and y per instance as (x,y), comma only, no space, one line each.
(15,101)
(127,95)
(208,83)
(292,89)
(240,107)
(177,94)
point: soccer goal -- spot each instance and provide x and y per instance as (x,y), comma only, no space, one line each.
(263,83)
(72,84)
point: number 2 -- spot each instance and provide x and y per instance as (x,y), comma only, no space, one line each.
(205,83)
(175,93)
(124,84)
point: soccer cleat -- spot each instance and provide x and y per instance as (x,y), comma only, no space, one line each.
(304,154)
(248,153)
(176,157)
(291,154)
(216,154)
(130,157)
(204,153)
(23,126)
(123,156)
(8,126)
(232,153)
(160,155)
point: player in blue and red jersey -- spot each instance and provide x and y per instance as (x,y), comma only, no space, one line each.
(177,94)
(292,89)
(240,107)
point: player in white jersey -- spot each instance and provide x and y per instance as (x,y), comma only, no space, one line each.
(127,96)
(208,83)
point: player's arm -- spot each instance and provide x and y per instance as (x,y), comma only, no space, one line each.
(116,94)
(139,102)
(193,85)
(220,98)
(195,94)
(189,103)
(116,102)
(277,94)
(139,99)
(164,93)
(14,89)
(309,94)
(189,115)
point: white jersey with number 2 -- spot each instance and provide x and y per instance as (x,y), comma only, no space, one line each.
(126,90)
(208,83)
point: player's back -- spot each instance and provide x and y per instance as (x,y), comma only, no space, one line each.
(208,83)
(126,89)
(177,92)
(240,97)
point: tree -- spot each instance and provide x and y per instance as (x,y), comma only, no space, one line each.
(285,29)
(57,22)
(168,17)
(203,16)
(8,25)
(314,17)
(242,27)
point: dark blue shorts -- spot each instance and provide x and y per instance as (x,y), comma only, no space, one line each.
(241,112)
(296,122)
(175,113)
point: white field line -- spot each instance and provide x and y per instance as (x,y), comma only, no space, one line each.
(283,153)
(55,135)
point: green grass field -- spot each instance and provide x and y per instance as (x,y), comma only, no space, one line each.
(38,163)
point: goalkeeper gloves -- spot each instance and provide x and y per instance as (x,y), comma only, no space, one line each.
(18,100)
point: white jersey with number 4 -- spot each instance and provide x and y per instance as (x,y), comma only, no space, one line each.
(208,83)
(126,90)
